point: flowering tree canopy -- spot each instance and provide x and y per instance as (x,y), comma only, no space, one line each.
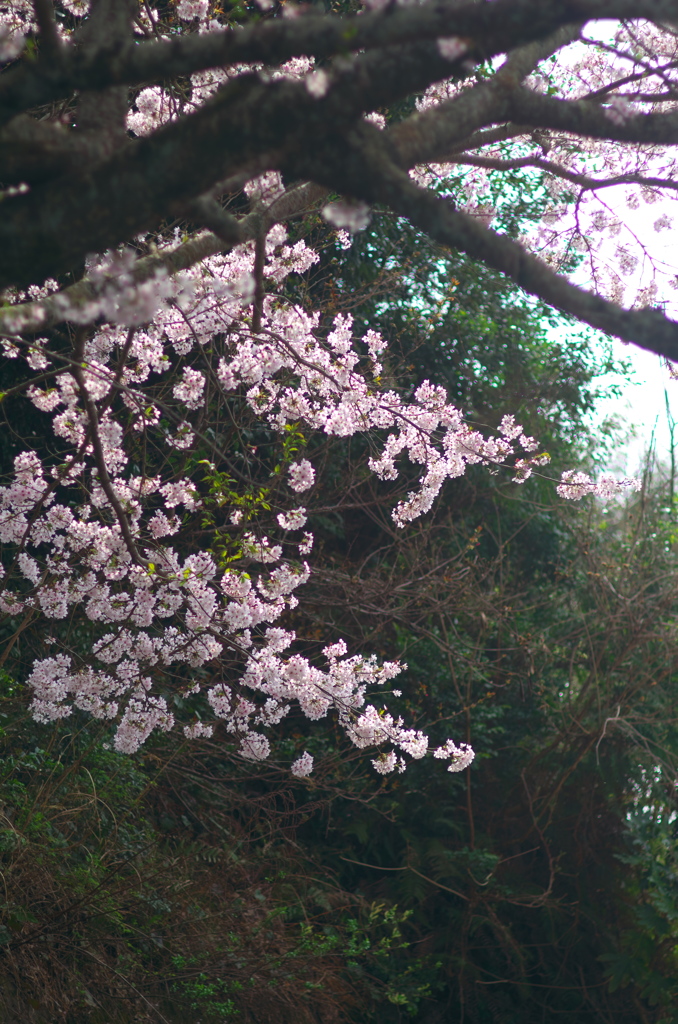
(248,98)
(150,158)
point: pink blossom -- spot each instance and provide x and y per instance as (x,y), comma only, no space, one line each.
(352,215)
(462,755)
(292,520)
(452,48)
(303,765)
(107,554)
(190,9)
(301,475)
(317,83)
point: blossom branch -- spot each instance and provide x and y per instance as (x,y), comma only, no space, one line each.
(510,23)
(30,317)
(258,271)
(377,179)
(99,455)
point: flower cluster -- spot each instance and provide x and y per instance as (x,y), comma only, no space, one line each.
(153,612)
(89,533)
(576,485)
(351,215)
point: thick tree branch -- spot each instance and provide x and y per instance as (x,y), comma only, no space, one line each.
(370,176)
(253,125)
(580,117)
(32,317)
(109,25)
(423,137)
(49,230)
(207,211)
(34,151)
(50,44)
(488,29)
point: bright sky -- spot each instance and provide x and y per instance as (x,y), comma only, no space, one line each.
(643,407)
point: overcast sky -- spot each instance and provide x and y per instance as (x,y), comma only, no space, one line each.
(643,407)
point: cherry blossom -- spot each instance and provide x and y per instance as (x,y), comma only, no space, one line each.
(318,82)
(462,755)
(172,326)
(452,48)
(303,765)
(353,216)
(152,609)
(302,475)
